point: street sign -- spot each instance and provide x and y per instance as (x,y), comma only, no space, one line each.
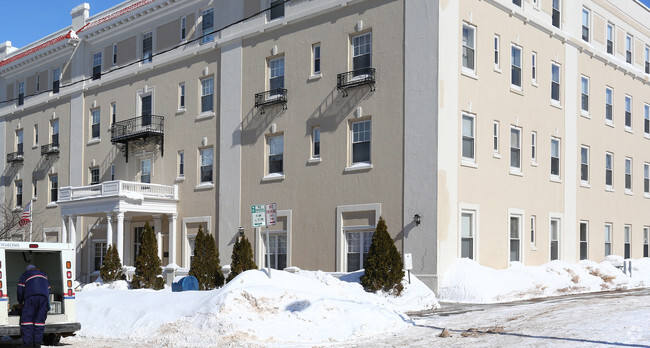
(258,215)
(271,214)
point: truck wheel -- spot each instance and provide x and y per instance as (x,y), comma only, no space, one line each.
(51,339)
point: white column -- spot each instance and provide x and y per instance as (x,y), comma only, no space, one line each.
(109,230)
(157,226)
(172,237)
(64,230)
(73,231)
(127,242)
(120,236)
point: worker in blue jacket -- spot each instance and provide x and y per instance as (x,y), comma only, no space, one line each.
(33,294)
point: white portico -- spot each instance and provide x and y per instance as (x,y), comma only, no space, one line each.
(119,202)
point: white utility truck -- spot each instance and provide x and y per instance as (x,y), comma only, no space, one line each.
(55,259)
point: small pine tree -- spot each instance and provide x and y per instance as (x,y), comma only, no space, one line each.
(242,258)
(384,266)
(205,264)
(148,273)
(111,269)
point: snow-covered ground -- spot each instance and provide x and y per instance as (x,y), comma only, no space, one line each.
(315,308)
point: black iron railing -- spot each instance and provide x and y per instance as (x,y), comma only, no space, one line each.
(137,127)
(274,96)
(49,149)
(15,157)
(359,77)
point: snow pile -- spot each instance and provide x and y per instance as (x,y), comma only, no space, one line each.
(309,307)
(467,281)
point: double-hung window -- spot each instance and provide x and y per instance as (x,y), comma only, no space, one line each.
(533,67)
(113,113)
(515,237)
(608,239)
(147,48)
(628,175)
(54,188)
(207,25)
(145,170)
(555,238)
(181,96)
(114,54)
(315,55)
(495,137)
(94,175)
(100,254)
(627,235)
(497,55)
(584,235)
(609,170)
(361,54)
(628,48)
(555,158)
(555,15)
(21,93)
(646,178)
(315,142)
(277,250)
(276,155)
(19,193)
(515,66)
(467,232)
(206,165)
(181,164)
(207,92)
(97,65)
(277,9)
(628,112)
(183,28)
(533,147)
(95,118)
(112,172)
(646,238)
(584,94)
(515,149)
(610,38)
(358,244)
(647,60)
(533,228)
(584,165)
(469,45)
(55,132)
(361,135)
(646,120)
(56,80)
(555,83)
(468,138)
(517,2)
(276,75)
(609,105)
(586,14)
(19,141)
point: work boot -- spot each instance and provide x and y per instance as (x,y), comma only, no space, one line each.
(37,345)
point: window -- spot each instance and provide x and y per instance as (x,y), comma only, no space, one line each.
(21,93)
(555,158)
(100,253)
(97,65)
(533,236)
(468,137)
(54,188)
(19,193)
(647,60)
(515,238)
(646,119)
(181,96)
(609,100)
(628,48)
(497,56)
(469,45)
(315,54)
(609,173)
(207,91)
(137,241)
(95,118)
(555,83)
(94,176)
(555,239)
(628,174)
(147,48)
(56,76)
(361,53)
(207,25)
(55,132)
(361,135)
(315,142)
(515,148)
(183,28)
(646,232)
(533,147)
(533,60)
(114,54)
(35,134)
(584,231)
(517,2)
(495,137)
(608,239)
(19,141)
(277,9)
(584,94)
(610,38)
(276,74)
(34,187)
(467,228)
(38,83)
(555,16)
(358,244)
(646,178)
(515,67)
(206,165)
(181,164)
(145,170)
(627,232)
(584,164)
(585,24)
(113,113)
(276,154)
(277,249)
(628,112)
(112,172)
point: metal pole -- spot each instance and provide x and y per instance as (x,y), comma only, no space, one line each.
(268,252)
(31,209)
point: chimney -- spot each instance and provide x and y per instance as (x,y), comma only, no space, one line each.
(79,15)
(6,49)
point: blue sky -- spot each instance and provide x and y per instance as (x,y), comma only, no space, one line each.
(26,21)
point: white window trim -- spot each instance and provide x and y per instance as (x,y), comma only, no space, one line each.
(646,165)
(584,112)
(206,221)
(626,98)
(533,143)
(589,25)
(91,264)
(515,170)
(182,88)
(203,185)
(585,183)
(312,158)
(138,100)
(474,210)
(609,187)
(468,161)
(180,177)
(556,216)
(267,153)
(586,222)
(521,213)
(314,74)
(114,54)
(358,166)
(93,140)
(557,103)
(341,251)
(521,70)
(471,72)
(607,26)
(611,238)
(646,117)
(533,229)
(260,239)
(496,153)
(607,121)
(629,191)
(631,50)
(497,42)
(533,65)
(557,177)
(205,114)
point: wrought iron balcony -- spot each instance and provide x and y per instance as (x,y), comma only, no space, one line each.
(271,97)
(15,157)
(50,149)
(359,77)
(142,130)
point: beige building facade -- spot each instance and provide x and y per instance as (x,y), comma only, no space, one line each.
(500,130)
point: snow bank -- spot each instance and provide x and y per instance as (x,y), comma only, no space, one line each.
(309,307)
(467,281)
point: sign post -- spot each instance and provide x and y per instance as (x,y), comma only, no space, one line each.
(265,215)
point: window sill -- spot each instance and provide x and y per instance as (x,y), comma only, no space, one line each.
(205,115)
(516,172)
(609,123)
(469,73)
(274,177)
(629,130)
(516,90)
(468,163)
(556,179)
(35,146)
(646,135)
(180,111)
(358,167)
(533,248)
(556,104)
(179,179)
(585,184)
(51,205)
(94,141)
(609,189)
(629,193)
(585,114)
(646,195)
(204,186)
(534,163)
(315,77)
(496,155)
(497,70)
(314,160)
(534,84)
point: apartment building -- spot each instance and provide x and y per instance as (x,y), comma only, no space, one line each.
(499,130)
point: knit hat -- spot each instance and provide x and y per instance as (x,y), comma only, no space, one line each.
(29,268)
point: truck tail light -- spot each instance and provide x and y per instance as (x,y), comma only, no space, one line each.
(69,283)
(0,283)
(69,274)
(68,264)
(69,292)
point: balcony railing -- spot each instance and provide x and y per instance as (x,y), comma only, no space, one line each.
(15,157)
(359,77)
(50,149)
(271,97)
(118,188)
(141,130)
